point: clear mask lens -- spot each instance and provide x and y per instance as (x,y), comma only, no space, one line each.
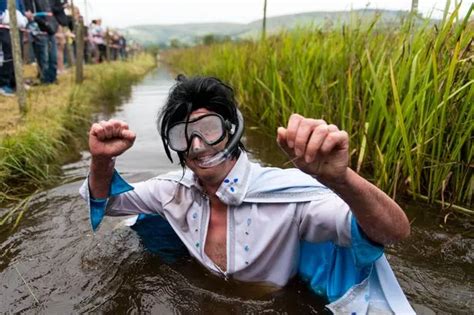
(210,128)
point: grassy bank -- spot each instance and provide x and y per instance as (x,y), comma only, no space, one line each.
(405,95)
(33,148)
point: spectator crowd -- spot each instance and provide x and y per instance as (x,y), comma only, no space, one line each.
(47,37)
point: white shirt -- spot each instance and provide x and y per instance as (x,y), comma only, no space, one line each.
(264,224)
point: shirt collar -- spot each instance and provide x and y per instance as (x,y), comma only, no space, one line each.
(235,185)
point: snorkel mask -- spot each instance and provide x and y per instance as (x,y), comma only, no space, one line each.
(211,129)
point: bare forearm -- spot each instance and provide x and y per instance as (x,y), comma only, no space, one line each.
(378,215)
(100,177)
(322,150)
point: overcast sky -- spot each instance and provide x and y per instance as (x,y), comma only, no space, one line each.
(121,13)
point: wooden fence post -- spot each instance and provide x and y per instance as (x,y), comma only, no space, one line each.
(17,59)
(264,23)
(414,6)
(79,51)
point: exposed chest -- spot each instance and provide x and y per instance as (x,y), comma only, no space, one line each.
(238,238)
(216,238)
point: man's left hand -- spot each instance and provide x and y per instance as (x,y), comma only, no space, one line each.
(316,148)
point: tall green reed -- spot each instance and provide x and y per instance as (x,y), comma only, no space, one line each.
(403,92)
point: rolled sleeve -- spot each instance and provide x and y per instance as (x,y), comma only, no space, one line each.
(124,199)
(365,251)
(330,219)
(326,219)
(97,206)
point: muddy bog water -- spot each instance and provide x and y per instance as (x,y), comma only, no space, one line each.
(53,264)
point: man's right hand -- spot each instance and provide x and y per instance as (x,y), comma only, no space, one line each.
(108,139)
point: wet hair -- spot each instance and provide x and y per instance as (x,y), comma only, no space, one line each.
(190,94)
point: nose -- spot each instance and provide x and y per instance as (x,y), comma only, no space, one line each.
(197,145)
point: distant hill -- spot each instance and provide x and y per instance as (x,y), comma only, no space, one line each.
(190,33)
(186,33)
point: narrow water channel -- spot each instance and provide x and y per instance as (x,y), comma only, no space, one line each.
(53,264)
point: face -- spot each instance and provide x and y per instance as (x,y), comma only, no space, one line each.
(199,151)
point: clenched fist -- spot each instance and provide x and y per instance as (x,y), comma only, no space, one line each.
(108,139)
(316,148)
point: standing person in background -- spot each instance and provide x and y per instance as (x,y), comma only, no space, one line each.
(114,45)
(58,7)
(60,47)
(98,33)
(93,46)
(44,42)
(88,46)
(123,47)
(70,37)
(7,71)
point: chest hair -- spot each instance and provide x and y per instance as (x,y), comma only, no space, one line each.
(216,239)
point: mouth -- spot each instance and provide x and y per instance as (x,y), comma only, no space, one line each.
(207,158)
(203,160)
(204,157)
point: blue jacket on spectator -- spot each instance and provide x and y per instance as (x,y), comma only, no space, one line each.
(19,6)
